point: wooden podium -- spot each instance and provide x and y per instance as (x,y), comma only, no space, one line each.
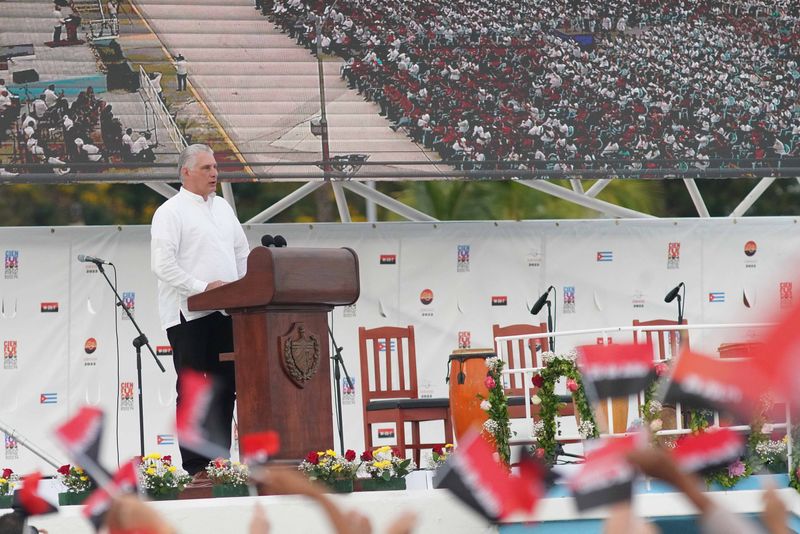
(280,331)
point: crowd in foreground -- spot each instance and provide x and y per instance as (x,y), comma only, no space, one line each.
(693,84)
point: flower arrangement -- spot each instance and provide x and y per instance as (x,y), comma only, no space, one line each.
(328,466)
(224,472)
(384,463)
(74,478)
(440,454)
(497,427)
(159,477)
(546,431)
(8,482)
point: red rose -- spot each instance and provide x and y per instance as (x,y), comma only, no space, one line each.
(540,453)
(489,382)
(396,452)
(350,455)
(572,386)
(438,450)
(63,470)
(661,369)
(366,456)
(312,458)
(167,459)
(8,472)
(537,380)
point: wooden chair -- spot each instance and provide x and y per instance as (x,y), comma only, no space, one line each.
(675,340)
(519,354)
(389,388)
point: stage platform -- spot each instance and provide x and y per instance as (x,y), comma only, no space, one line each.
(439,512)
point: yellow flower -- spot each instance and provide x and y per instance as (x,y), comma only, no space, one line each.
(151,471)
(153,456)
(382,465)
(172,469)
(78,470)
(336,467)
(84,478)
(449,446)
(3,480)
(383,449)
(329,452)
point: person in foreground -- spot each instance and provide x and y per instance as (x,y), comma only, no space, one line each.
(198,244)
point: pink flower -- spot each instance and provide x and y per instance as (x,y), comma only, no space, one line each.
(661,369)
(489,382)
(572,386)
(540,453)
(736,469)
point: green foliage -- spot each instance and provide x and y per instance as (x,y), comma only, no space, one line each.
(498,426)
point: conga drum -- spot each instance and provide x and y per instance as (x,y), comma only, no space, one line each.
(467,373)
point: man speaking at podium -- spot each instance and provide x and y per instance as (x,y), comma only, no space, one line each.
(197,244)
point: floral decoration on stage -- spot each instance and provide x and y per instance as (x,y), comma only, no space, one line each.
(74,478)
(8,482)
(158,476)
(440,454)
(497,428)
(546,430)
(224,472)
(386,464)
(327,466)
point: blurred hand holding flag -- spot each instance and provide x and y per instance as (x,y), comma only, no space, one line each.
(194,420)
(81,436)
(27,499)
(125,481)
(476,478)
(616,370)
(703,382)
(708,450)
(606,477)
(257,448)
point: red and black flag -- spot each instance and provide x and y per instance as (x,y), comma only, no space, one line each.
(708,450)
(257,448)
(607,476)
(474,476)
(81,436)
(616,370)
(194,417)
(27,500)
(778,358)
(99,502)
(702,382)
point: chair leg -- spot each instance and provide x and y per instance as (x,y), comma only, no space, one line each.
(401,436)
(415,441)
(448,429)
(367,436)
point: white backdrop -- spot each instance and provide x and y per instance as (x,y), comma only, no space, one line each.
(479,273)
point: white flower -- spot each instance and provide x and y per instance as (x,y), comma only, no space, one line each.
(486,405)
(491,427)
(536,400)
(548,357)
(494,363)
(586,429)
(656,425)
(655,407)
(538,427)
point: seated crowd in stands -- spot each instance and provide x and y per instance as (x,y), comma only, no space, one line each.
(689,83)
(55,132)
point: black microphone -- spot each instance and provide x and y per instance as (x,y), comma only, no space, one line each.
(91,259)
(267,240)
(280,241)
(541,302)
(673,293)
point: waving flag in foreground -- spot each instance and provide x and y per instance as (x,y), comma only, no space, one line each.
(616,370)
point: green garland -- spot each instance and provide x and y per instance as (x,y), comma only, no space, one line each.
(556,367)
(498,426)
(794,479)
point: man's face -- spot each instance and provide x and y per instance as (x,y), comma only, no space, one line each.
(201,178)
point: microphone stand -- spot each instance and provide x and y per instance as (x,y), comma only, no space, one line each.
(338,366)
(550,327)
(138,342)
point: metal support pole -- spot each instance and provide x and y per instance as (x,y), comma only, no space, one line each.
(585,201)
(227,194)
(285,202)
(163,189)
(341,202)
(598,186)
(752,197)
(697,198)
(388,202)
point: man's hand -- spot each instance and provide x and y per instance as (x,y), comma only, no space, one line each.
(215,284)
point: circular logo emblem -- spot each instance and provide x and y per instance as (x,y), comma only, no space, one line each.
(90,346)
(426,297)
(750,248)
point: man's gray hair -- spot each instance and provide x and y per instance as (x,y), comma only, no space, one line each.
(189,156)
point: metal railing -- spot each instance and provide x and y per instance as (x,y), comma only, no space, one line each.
(149,94)
(102,29)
